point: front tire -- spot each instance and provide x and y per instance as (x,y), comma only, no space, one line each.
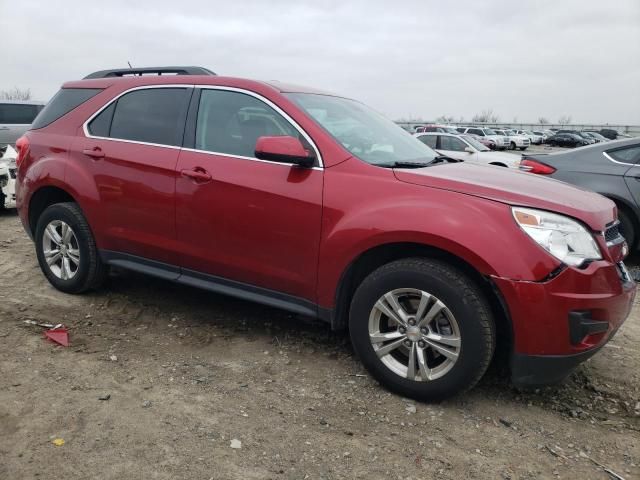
(66,249)
(422,328)
(627,229)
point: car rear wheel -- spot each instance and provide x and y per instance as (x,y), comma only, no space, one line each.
(512,145)
(422,328)
(66,249)
(627,229)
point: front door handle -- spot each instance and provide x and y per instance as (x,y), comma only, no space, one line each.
(198,175)
(95,152)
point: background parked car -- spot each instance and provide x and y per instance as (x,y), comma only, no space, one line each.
(436,128)
(7,177)
(593,136)
(583,135)
(15,118)
(597,136)
(607,168)
(467,149)
(567,140)
(515,140)
(541,133)
(611,134)
(496,141)
(535,139)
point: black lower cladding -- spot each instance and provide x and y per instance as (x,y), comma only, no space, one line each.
(212,283)
(540,370)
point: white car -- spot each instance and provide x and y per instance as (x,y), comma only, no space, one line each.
(498,142)
(535,139)
(516,141)
(466,148)
(8,178)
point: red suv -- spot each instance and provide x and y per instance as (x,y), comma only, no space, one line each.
(317,204)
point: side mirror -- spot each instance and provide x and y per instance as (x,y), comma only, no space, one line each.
(468,150)
(284,150)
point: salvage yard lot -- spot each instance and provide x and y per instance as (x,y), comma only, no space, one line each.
(187,372)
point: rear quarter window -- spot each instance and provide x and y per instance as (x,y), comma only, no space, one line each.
(626,155)
(62,103)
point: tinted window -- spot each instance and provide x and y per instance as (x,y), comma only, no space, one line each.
(231,123)
(626,155)
(101,125)
(429,140)
(62,103)
(476,131)
(155,115)
(18,113)
(452,144)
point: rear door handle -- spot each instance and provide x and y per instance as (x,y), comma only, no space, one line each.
(95,152)
(198,175)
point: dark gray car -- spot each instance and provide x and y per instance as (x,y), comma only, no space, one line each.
(611,169)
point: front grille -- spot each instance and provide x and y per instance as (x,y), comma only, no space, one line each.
(12,172)
(612,232)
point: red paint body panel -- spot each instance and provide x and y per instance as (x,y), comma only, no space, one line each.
(297,231)
(255,222)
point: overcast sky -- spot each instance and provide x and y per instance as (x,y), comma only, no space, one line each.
(523,59)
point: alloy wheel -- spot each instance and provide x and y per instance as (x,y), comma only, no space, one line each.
(61,250)
(414,334)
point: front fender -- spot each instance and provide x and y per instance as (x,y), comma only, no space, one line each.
(384,210)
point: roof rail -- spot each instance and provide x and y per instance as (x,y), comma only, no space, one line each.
(121,72)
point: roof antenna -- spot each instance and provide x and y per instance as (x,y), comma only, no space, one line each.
(129,63)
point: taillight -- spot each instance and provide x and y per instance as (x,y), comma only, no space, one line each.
(22,145)
(533,166)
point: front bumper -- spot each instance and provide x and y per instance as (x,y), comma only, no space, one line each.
(560,322)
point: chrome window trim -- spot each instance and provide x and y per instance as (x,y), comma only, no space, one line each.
(618,161)
(85,125)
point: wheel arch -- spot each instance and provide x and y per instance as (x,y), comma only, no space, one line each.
(375,257)
(44,197)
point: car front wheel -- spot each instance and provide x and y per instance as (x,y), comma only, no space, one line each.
(422,328)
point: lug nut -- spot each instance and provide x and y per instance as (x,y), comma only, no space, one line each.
(412,321)
(402,330)
(424,330)
(421,344)
(407,343)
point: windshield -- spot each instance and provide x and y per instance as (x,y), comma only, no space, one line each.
(474,143)
(451,130)
(488,131)
(510,132)
(362,131)
(528,132)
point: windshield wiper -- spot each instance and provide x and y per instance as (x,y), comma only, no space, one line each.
(407,164)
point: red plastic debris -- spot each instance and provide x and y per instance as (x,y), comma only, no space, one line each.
(58,335)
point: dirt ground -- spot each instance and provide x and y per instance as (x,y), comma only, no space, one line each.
(189,374)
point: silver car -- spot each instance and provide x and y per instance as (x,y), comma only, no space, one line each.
(15,118)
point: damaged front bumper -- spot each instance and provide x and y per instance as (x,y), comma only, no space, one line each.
(559,323)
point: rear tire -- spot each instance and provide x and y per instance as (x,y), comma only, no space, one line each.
(450,342)
(67,251)
(512,146)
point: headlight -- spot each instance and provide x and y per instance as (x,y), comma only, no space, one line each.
(562,237)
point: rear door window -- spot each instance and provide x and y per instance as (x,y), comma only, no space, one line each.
(626,155)
(154,115)
(451,144)
(62,103)
(18,113)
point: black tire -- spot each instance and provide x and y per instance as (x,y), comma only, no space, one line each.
(90,272)
(464,300)
(512,146)
(523,148)
(627,229)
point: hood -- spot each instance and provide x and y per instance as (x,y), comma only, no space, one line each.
(515,188)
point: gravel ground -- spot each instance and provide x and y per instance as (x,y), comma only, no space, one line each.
(165,382)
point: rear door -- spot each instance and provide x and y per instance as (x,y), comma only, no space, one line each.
(130,151)
(15,119)
(248,220)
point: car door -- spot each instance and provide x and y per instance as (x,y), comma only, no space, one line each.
(455,148)
(15,119)
(130,150)
(239,218)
